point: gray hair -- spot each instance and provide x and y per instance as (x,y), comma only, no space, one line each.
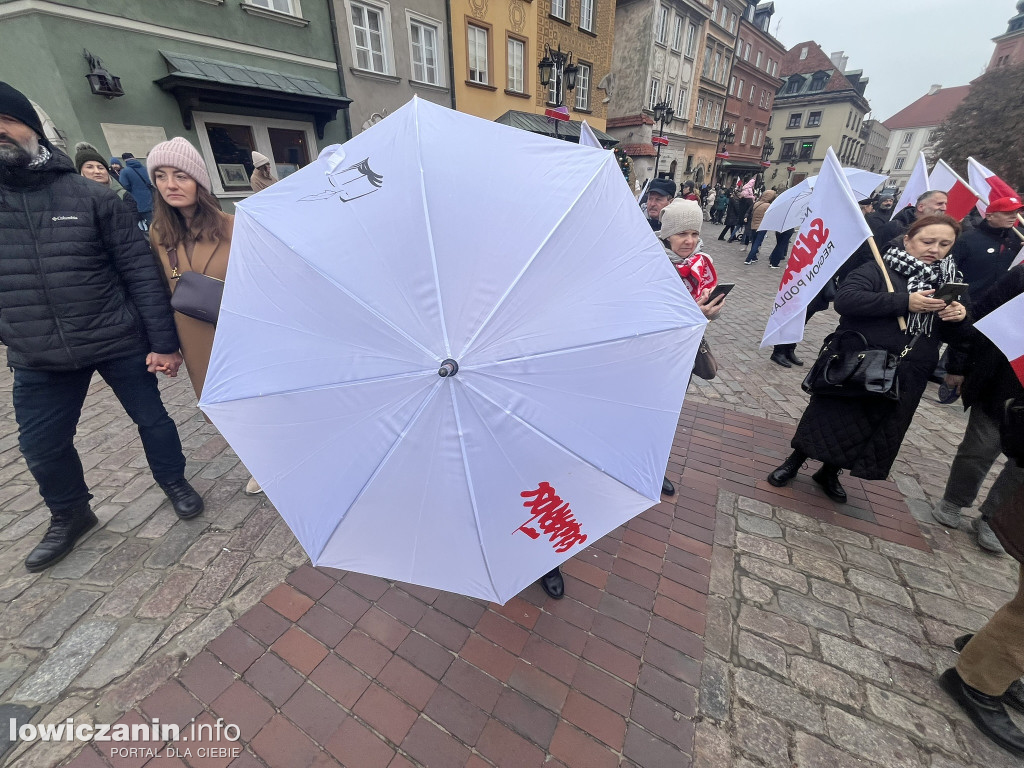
(929,194)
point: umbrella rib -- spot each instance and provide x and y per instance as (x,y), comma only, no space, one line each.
(430,238)
(529,262)
(319,387)
(472,491)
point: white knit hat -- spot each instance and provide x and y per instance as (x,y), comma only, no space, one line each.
(259,160)
(178,153)
(680,216)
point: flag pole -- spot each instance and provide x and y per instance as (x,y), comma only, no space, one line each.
(885,274)
(960,178)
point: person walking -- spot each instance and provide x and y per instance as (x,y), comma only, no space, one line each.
(90,164)
(986,381)
(134,178)
(985,253)
(660,193)
(261,177)
(721,205)
(864,434)
(80,294)
(189,234)
(929,203)
(781,250)
(735,215)
(756,216)
(115,167)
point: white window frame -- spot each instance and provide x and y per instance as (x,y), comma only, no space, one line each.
(587,15)
(487,62)
(661,36)
(757,61)
(677,34)
(718,115)
(746,52)
(706,66)
(511,70)
(691,40)
(382,7)
(670,92)
(898,165)
(426,21)
(753,90)
(652,93)
(259,126)
(583,87)
(294,8)
(560,5)
(682,103)
(700,106)
(556,97)
(732,85)
(908,138)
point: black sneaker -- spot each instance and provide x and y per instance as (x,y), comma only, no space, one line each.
(58,541)
(186,502)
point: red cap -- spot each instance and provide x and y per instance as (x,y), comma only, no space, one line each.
(1005,204)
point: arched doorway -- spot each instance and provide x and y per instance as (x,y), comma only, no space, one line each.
(698,176)
(672,170)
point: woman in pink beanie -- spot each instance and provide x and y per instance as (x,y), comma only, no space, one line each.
(189,225)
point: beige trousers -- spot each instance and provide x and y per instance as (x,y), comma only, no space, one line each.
(995,656)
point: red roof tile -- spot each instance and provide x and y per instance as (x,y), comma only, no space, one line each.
(639,150)
(815,60)
(929,109)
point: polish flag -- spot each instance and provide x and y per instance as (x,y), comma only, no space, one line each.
(961,197)
(986,184)
(1002,326)
(832,230)
(916,185)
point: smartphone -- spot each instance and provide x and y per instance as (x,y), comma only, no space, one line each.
(722,289)
(951,292)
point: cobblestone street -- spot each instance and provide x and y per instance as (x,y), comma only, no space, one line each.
(732,625)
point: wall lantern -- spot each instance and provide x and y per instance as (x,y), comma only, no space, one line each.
(102,82)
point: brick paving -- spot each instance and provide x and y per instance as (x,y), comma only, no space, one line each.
(737,624)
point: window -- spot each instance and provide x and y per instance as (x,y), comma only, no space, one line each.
(689,163)
(228,141)
(931,135)
(732,86)
(670,91)
(477,52)
(746,52)
(583,87)
(587,15)
(795,119)
(516,60)
(677,35)
(718,67)
(788,150)
(662,34)
(291,7)
(807,150)
(718,113)
(803,53)
(423,40)
(682,103)
(739,90)
(700,107)
(707,62)
(732,22)
(908,137)
(743,136)
(764,98)
(691,39)
(652,97)
(721,19)
(555,96)
(739,48)
(558,8)
(775,69)
(753,89)
(794,84)
(757,62)
(818,82)
(368,32)
(849,117)
(814,119)
(768,69)
(898,165)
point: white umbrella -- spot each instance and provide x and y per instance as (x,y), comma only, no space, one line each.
(435,236)
(788,209)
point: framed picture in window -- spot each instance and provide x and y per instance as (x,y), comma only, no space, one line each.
(233,174)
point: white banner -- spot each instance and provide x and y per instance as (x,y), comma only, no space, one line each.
(917,185)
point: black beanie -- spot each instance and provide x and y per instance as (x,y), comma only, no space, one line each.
(84,152)
(15,104)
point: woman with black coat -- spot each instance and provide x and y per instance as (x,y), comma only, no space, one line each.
(735,216)
(864,435)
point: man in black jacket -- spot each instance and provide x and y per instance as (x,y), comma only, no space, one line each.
(985,253)
(930,202)
(79,292)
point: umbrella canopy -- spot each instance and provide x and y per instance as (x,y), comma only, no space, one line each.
(451,352)
(788,209)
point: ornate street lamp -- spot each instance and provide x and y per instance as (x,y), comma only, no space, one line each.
(558,65)
(726,136)
(663,113)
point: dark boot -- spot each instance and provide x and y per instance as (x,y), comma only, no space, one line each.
(186,502)
(1014,696)
(787,470)
(667,488)
(781,358)
(828,478)
(986,712)
(553,584)
(65,529)
(791,356)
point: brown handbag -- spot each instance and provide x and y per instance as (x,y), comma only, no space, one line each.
(195,295)
(704,364)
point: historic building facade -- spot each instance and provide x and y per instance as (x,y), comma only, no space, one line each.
(913,129)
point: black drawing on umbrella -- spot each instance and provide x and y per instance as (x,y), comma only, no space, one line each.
(350,183)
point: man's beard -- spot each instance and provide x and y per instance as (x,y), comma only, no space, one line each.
(14,156)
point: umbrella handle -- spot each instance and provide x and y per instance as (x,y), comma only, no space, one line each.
(448,368)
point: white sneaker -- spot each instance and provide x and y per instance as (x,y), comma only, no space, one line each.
(252,487)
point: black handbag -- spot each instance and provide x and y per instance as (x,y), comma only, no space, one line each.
(704,364)
(195,295)
(855,370)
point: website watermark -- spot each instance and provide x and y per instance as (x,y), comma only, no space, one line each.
(162,739)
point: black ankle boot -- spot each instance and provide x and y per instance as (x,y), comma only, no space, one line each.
(791,356)
(828,478)
(65,529)
(787,470)
(1014,696)
(186,502)
(667,488)
(553,584)
(986,712)
(780,358)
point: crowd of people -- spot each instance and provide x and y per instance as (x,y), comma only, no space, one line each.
(94,249)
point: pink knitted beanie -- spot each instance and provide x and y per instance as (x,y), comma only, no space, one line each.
(178,153)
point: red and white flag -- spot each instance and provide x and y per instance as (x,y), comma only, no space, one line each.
(986,184)
(557,113)
(832,230)
(1004,328)
(961,197)
(916,185)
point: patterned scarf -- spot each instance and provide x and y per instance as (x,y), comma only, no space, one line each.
(41,158)
(921,277)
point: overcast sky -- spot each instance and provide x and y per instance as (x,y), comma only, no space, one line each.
(903,46)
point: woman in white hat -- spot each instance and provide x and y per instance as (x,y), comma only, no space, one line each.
(261,177)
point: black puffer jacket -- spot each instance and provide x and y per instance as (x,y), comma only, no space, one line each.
(78,283)
(984,254)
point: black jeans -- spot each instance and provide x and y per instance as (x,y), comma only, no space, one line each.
(48,404)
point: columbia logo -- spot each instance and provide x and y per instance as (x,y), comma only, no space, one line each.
(65,218)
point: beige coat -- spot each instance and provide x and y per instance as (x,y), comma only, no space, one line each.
(196,336)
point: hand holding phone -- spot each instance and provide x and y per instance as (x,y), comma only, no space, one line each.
(722,289)
(951,292)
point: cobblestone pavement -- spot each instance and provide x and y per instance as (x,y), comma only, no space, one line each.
(791,609)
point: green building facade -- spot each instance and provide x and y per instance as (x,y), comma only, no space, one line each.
(231,76)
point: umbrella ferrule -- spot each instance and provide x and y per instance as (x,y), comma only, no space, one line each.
(448,368)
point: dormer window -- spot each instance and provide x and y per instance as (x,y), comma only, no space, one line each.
(818,81)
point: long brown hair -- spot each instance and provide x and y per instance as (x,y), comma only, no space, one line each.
(169,223)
